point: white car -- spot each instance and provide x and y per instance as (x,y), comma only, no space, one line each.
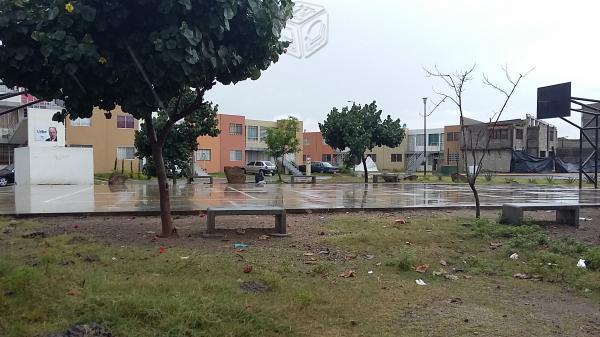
(264,166)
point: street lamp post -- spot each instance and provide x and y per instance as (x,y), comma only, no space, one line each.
(425,134)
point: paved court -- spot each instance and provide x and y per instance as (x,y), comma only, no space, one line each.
(143,197)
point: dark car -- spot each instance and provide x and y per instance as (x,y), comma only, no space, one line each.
(7,175)
(320,167)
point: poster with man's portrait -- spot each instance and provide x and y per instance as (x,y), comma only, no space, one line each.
(49,134)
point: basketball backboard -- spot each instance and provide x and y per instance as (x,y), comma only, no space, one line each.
(554,101)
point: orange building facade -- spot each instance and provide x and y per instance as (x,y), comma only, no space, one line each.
(315,148)
(241,140)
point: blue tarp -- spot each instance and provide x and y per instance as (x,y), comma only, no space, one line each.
(522,162)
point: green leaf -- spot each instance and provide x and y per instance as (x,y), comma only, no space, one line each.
(87,13)
(59,35)
(53,13)
(228,13)
(186,3)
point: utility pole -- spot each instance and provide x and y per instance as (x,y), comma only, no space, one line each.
(425,134)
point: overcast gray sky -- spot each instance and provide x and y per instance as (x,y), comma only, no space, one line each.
(377,50)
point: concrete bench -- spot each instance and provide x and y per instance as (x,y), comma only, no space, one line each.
(565,213)
(210,179)
(313,179)
(395,177)
(279,212)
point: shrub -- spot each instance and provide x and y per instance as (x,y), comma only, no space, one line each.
(571,180)
(532,181)
(404,262)
(488,176)
(592,258)
(550,180)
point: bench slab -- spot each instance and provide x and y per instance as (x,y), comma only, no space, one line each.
(279,212)
(565,213)
(313,179)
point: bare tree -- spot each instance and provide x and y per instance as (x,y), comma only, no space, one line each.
(456,83)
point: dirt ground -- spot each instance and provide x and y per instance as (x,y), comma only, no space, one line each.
(143,231)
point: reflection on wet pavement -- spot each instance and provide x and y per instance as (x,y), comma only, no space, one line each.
(144,196)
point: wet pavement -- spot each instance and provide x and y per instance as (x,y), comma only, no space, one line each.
(143,197)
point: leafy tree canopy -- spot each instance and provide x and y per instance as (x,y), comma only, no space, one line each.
(283,139)
(182,141)
(135,53)
(360,128)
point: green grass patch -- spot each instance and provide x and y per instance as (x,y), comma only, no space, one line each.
(47,285)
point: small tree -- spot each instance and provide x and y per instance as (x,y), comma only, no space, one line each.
(283,140)
(137,54)
(182,141)
(360,128)
(470,143)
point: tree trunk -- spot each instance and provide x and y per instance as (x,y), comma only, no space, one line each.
(278,169)
(174,177)
(476,196)
(161,173)
(163,190)
(364,161)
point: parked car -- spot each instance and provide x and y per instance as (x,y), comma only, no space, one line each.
(320,167)
(264,166)
(7,175)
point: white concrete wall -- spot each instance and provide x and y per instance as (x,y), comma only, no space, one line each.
(54,166)
(39,122)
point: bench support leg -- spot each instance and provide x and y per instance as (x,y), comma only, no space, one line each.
(512,215)
(210,226)
(280,225)
(568,217)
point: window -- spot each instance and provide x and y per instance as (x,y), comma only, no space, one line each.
(81,122)
(235,129)
(125,153)
(453,136)
(306,141)
(412,139)
(396,157)
(203,154)
(263,133)
(373,157)
(543,154)
(235,155)
(499,134)
(252,132)
(519,134)
(551,131)
(304,158)
(125,122)
(452,157)
(419,139)
(434,139)
(326,157)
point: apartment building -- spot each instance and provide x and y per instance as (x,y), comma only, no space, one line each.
(531,135)
(434,140)
(241,140)
(112,139)
(390,158)
(316,149)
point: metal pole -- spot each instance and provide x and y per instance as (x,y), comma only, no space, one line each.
(425,134)
(580,158)
(596,155)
